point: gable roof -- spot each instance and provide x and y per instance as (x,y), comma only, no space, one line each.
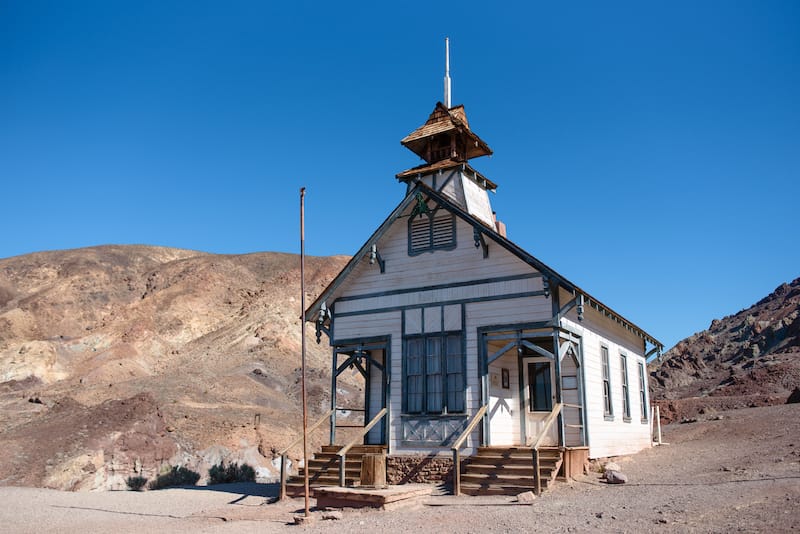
(504,242)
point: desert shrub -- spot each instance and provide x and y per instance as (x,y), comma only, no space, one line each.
(176,476)
(224,474)
(136,483)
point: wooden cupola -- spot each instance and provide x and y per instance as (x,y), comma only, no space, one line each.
(446,144)
(446,136)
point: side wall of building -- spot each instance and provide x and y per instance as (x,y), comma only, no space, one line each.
(611,434)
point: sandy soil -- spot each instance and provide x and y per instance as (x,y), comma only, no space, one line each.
(733,471)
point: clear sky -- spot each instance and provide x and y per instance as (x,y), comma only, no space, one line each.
(648,151)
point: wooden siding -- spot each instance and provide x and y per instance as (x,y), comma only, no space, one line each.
(603,326)
(406,288)
(608,436)
(504,408)
(572,434)
(379,324)
(464,263)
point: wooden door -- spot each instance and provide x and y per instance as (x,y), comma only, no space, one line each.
(540,395)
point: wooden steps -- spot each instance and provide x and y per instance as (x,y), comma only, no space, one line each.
(508,470)
(323,468)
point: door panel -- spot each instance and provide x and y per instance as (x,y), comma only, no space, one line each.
(540,395)
(375,398)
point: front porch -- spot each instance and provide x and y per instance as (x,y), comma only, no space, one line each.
(527,430)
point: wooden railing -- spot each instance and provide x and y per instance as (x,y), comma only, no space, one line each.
(359,437)
(460,443)
(548,422)
(285,450)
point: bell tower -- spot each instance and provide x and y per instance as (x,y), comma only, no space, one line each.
(446,144)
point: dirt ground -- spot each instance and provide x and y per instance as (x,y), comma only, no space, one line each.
(736,471)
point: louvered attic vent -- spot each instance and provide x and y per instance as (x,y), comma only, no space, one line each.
(431,231)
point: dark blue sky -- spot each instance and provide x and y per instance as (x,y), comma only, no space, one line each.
(650,152)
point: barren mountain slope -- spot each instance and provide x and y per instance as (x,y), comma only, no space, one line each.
(751,358)
(117,359)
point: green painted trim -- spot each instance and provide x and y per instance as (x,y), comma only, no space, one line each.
(625,386)
(644,406)
(443,201)
(403,360)
(343,345)
(513,327)
(585,421)
(431,215)
(523,409)
(442,303)
(500,352)
(608,415)
(387,394)
(446,180)
(334,377)
(436,287)
(537,349)
(562,436)
(312,310)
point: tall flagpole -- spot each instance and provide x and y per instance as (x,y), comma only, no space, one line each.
(303,341)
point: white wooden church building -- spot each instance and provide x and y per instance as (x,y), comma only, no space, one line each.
(452,323)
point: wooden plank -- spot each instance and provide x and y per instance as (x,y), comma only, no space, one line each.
(373,470)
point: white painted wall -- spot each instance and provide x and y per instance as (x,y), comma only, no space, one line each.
(504,410)
(464,264)
(616,436)
(571,416)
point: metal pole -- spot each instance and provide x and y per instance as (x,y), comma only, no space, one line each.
(303,342)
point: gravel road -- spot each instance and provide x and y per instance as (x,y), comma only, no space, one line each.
(736,471)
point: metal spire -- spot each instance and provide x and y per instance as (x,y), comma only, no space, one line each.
(447,72)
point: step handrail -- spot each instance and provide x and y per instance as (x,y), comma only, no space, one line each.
(342,454)
(283,452)
(459,443)
(548,422)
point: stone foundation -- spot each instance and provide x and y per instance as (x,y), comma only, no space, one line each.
(418,469)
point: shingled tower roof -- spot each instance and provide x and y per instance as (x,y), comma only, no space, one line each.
(446,135)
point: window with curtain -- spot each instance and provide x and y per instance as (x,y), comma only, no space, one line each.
(434,374)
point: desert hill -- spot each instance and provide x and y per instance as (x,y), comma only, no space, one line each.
(120,359)
(751,358)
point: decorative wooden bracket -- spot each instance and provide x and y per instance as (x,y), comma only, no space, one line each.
(374,256)
(324,314)
(480,242)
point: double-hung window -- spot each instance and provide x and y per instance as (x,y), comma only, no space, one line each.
(642,392)
(608,408)
(626,401)
(434,374)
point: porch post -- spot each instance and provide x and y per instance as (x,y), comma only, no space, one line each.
(483,374)
(556,307)
(334,378)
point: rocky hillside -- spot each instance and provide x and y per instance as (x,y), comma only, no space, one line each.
(751,358)
(121,359)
